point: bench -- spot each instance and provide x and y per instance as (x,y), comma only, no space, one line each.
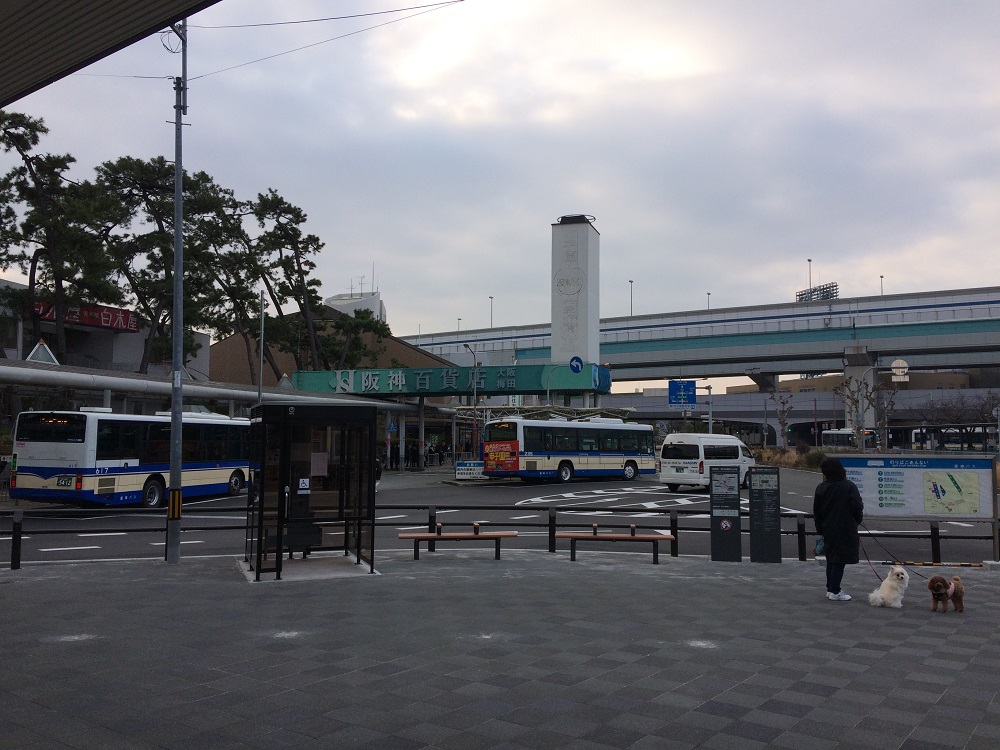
(455,536)
(593,536)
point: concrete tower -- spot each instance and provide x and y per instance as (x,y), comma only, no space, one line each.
(575,289)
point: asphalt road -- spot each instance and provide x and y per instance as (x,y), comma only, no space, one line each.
(402,505)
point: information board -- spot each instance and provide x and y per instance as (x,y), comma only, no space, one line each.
(933,486)
(724,486)
(765,514)
(469,470)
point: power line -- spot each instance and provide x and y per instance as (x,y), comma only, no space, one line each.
(324,41)
(320,20)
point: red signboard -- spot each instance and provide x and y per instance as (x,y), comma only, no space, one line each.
(500,456)
(93,315)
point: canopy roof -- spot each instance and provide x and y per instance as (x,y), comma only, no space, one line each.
(42,41)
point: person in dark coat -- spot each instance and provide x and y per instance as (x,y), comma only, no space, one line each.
(837,511)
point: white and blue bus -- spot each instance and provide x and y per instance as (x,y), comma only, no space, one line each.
(561,449)
(95,456)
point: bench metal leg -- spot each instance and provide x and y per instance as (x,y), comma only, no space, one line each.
(656,553)
(498,549)
(572,550)
(416,549)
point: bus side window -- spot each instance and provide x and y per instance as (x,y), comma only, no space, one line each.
(108,439)
(157,445)
(609,441)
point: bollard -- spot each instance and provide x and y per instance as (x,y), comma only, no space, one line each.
(15,540)
(800,534)
(552,529)
(674,530)
(431,525)
(935,542)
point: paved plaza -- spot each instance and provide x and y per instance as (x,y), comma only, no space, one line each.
(459,650)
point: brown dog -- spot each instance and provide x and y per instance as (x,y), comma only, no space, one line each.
(942,590)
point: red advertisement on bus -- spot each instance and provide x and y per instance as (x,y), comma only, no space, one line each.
(500,455)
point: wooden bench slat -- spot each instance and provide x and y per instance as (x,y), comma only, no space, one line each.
(455,536)
(594,536)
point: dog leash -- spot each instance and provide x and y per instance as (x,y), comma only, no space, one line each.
(887,552)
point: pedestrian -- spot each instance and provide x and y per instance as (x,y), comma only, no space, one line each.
(837,511)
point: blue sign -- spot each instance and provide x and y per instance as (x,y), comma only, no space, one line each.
(576,365)
(682,393)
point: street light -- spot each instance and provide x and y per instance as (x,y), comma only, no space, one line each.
(475,397)
(491,311)
(881,287)
(709,300)
(630,297)
(459,324)
(810,262)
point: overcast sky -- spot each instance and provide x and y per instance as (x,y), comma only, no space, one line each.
(718,144)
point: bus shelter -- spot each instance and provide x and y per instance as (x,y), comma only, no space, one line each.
(312,484)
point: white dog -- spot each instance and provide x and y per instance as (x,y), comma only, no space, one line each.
(890,593)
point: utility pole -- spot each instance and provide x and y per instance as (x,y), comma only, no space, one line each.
(173,545)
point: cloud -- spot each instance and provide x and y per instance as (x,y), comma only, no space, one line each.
(718,144)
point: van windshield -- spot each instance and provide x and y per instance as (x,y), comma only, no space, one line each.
(679,451)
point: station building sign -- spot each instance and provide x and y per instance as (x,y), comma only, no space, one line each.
(454,381)
(99,316)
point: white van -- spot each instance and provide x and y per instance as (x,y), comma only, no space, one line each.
(687,458)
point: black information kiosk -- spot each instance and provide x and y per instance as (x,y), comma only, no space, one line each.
(724,485)
(765,514)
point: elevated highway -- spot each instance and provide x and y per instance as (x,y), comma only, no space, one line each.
(930,330)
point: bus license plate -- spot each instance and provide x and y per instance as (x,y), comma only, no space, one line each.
(64,481)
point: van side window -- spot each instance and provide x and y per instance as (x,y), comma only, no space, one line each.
(719,452)
(679,452)
(746,452)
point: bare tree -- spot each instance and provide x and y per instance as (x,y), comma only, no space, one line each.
(782,407)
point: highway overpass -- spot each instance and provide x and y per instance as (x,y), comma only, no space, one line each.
(954,329)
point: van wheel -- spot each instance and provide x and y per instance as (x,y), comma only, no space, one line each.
(746,481)
(153,493)
(565,471)
(631,471)
(236,483)
(673,487)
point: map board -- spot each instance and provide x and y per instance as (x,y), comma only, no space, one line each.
(935,486)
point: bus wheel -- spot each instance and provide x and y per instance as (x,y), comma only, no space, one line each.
(565,471)
(631,471)
(236,483)
(153,494)
(673,487)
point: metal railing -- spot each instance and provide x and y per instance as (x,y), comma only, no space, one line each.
(555,518)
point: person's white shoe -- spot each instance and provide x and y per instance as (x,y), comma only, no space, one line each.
(841,597)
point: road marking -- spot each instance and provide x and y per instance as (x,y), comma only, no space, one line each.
(8,538)
(521,518)
(65,549)
(389,518)
(106,533)
(411,528)
(959,523)
(163,544)
(439,512)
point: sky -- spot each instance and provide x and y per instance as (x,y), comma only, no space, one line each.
(730,151)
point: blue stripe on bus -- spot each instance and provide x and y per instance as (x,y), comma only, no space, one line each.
(48,495)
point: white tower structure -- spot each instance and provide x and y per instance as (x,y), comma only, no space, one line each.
(575,289)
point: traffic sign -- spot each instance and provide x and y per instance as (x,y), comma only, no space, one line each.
(682,393)
(576,365)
